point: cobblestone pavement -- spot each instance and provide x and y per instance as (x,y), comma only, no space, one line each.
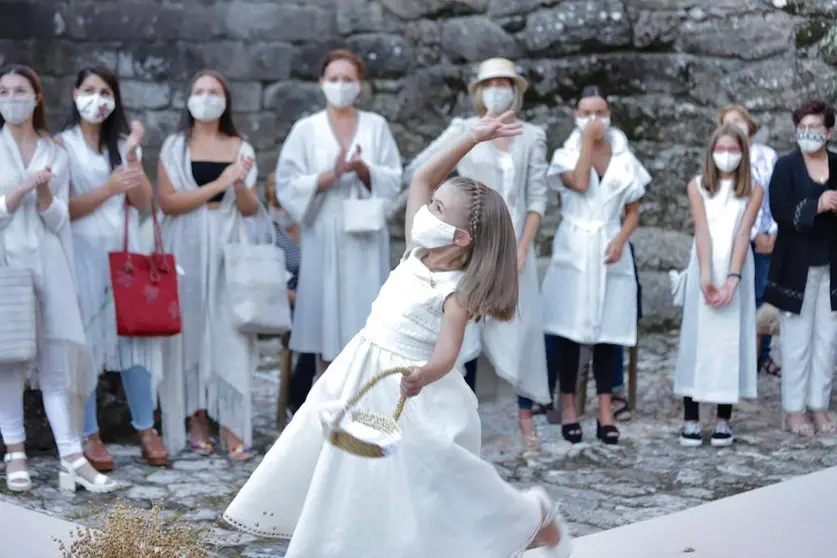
(601,487)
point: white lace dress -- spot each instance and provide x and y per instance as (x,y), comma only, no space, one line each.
(433,498)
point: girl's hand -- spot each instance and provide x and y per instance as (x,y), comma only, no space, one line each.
(710,292)
(613,252)
(522,252)
(236,172)
(123,179)
(493,126)
(133,141)
(412,383)
(38,179)
(726,292)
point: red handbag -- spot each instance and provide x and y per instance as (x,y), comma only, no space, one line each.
(145,288)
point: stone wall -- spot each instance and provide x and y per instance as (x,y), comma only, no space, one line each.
(667,66)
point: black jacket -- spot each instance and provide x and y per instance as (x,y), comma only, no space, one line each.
(794,206)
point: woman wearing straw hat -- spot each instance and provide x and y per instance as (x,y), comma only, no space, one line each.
(516,168)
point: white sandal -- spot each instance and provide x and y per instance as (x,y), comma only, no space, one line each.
(551,516)
(18,481)
(69,478)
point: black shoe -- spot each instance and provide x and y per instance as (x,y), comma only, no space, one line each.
(607,433)
(572,432)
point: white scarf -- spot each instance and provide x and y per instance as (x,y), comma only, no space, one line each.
(186,237)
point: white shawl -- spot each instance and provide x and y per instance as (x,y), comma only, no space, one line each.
(42,243)
(187,238)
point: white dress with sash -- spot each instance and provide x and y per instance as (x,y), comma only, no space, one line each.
(209,365)
(94,236)
(340,272)
(584,299)
(515,348)
(42,242)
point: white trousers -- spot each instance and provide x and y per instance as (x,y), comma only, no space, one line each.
(808,342)
(52,378)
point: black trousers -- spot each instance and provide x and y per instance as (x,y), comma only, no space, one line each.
(302,379)
(471,374)
(567,354)
(691,410)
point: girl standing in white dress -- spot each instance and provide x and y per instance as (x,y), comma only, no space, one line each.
(515,168)
(589,294)
(206,179)
(434,497)
(327,158)
(717,358)
(35,234)
(108,185)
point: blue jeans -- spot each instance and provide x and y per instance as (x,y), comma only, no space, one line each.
(761,265)
(136,381)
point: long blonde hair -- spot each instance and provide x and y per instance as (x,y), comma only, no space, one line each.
(489,287)
(742,177)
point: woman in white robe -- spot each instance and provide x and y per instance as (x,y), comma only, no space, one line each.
(589,294)
(328,157)
(516,168)
(108,185)
(206,178)
(35,234)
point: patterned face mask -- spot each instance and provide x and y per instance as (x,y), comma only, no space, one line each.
(809,141)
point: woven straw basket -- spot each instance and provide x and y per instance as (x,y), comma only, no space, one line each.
(364,433)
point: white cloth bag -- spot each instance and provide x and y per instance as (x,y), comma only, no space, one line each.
(18,308)
(255,276)
(363,215)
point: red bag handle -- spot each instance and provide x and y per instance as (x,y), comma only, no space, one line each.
(158,263)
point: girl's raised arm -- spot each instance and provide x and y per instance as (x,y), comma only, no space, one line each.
(436,170)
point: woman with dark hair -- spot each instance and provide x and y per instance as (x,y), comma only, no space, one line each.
(589,294)
(107,186)
(206,178)
(35,235)
(515,167)
(334,164)
(802,282)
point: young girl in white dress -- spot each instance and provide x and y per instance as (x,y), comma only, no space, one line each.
(717,358)
(434,497)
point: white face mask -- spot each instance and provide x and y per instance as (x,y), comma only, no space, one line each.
(429,231)
(94,108)
(18,109)
(205,107)
(497,99)
(726,161)
(810,142)
(582,122)
(341,94)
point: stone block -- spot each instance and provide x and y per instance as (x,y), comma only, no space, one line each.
(308,58)
(654,29)
(246,95)
(23,20)
(664,119)
(277,22)
(293,99)
(418,9)
(472,39)
(658,310)
(658,249)
(385,56)
(577,25)
(264,130)
(137,21)
(671,167)
(504,8)
(159,124)
(750,36)
(364,16)
(144,95)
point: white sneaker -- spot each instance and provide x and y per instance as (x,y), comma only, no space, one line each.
(690,436)
(722,436)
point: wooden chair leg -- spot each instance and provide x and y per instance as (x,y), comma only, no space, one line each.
(285,371)
(632,374)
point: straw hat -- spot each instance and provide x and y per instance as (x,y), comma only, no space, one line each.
(499,68)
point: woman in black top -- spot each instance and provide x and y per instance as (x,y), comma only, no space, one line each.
(803,271)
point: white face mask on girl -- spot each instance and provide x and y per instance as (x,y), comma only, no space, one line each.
(810,142)
(726,161)
(497,99)
(205,107)
(429,231)
(582,122)
(18,109)
(94,108)
(341,94)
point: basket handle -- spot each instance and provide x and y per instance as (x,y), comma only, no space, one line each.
(354,400)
